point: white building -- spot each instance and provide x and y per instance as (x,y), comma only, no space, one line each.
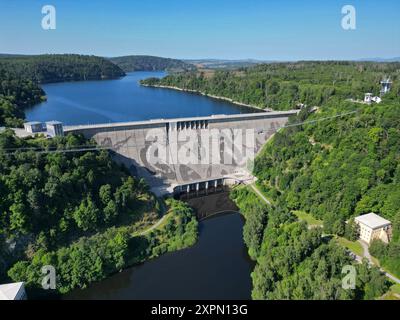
(368,98)
(376,99)
(13,291)
(54,128)
(33,126)
(373,227)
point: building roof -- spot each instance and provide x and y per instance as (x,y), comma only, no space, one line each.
(372,220)
(53,122)
(31,123)
(10,291)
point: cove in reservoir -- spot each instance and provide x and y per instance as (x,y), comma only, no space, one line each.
(124,99)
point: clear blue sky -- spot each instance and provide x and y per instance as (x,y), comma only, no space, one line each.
(260,29)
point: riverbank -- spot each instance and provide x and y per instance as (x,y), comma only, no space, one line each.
(208,95)
(176,230)
(171,275)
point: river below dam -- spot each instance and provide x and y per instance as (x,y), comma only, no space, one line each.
(217,266)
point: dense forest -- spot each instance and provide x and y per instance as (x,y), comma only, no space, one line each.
(77,211)
(150,63)
(60,67)
(283,86)
(20,78)
(16,94)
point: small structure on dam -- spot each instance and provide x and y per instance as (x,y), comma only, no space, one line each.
(188,154)
(50,129)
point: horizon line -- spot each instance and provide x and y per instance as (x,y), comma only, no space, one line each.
(266,60)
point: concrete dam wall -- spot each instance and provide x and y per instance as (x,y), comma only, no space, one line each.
(188,154)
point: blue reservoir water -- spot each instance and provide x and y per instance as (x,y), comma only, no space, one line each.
(123,99)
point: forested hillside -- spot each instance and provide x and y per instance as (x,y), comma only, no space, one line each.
(15,95)
(77,211)
(150,63)
(282,86)
(60,67)
(340,168)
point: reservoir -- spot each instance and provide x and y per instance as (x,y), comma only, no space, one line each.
(217,266)
(124,99)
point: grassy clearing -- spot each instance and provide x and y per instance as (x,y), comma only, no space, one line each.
(303,216)
(395,288)
(393,293)
(353,246)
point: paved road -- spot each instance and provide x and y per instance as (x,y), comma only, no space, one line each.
(367,255)
(366,251)
(393,278)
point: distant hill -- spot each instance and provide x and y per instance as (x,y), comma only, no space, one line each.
(10,55)
(377,59)
(59,67)
(150,63)
(223,63)
(244,63)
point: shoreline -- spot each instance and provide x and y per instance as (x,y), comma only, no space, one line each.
(208,95)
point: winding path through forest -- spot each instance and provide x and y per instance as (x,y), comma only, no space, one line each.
(154,226)
(259,193)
